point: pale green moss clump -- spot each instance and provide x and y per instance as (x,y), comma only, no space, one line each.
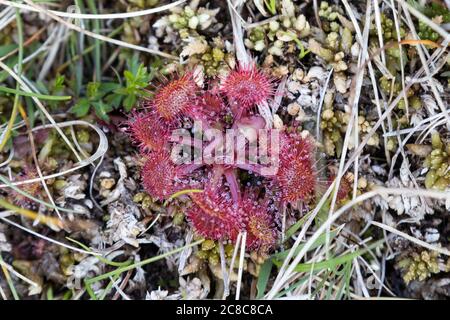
(189,25)
(283,35)
(213,56)
(209,251)
(146,202)
(393,87)
(388,28)
(191,18)
(438,162)
(329,14)
(419,266)
(280,36)
(335,43)
(334,125)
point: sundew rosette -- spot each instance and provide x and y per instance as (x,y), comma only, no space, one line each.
(235,196)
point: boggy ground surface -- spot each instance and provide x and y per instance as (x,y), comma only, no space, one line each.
(365,83)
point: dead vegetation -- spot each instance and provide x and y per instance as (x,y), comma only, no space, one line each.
(366,81)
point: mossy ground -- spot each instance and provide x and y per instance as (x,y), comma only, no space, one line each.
(383,119)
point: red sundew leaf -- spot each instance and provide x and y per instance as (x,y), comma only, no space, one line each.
(31,188)
(147,132)
(175,99)
(260,227)
(247,86)
(296,177)
(214,215)
(212,108)
(344,187)
(161,176)
(213,102)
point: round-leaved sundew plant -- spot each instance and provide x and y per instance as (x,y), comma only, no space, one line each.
(259,221)
(236,196)
(33,189)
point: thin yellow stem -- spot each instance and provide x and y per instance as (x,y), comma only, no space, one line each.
(425,42)
(11,121)
(49,221)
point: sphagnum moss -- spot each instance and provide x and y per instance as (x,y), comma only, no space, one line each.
(334,124)
(419,266)
(290,42)
(210,252)
(438,164)
(281,36)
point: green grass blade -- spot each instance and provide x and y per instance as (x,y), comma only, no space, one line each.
(7,133)
(37,95)
(97,57)
(331,263)
(320,241)
(9,281)
(263,278)
(120,270)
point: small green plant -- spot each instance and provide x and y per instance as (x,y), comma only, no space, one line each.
(95,95)
(271,6)
(136,80)
(301,47)
(57,87)
(104,97)
(432,10)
